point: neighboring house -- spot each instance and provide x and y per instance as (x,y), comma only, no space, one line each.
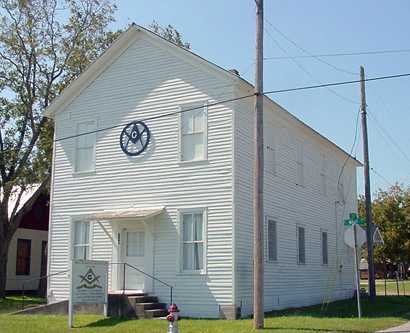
(182,210)
(27,259)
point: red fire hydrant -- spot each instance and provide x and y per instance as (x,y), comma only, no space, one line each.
(173,318)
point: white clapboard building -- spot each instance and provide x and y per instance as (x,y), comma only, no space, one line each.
(181,210)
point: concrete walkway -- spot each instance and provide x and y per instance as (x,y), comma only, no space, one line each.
(398,329)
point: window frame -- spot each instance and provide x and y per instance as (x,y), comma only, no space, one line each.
(300,165)
(269,219)
(181,213)
(72,240)
(27,269)
(298,226)
(324,231)
(204,104)
(323,176)
(76,171)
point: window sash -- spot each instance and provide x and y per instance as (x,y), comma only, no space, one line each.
(85,147)
(81,240)
(325,248)
(272,240)
(301,245)
(193,133)
(193,241)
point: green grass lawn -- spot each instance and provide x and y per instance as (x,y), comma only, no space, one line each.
(391,287)
(338,318)
(15,303)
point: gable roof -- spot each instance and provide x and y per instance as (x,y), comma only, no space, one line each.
(123,42)
(27,194)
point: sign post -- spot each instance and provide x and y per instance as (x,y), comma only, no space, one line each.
(89,285)
(355,237)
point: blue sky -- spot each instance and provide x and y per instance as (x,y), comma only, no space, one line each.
(224,32)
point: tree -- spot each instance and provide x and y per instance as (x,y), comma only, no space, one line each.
(44,45)
(391,213)
(169,33)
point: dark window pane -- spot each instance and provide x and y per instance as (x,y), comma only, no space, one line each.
(23,257)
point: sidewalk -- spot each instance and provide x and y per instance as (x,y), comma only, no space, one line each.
(398,329)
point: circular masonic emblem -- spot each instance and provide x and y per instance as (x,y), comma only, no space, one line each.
(134,138)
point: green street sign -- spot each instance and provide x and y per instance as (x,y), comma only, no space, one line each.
(348,222)
(353,216)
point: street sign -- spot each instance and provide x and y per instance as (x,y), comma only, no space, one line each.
(349,236)
(377,237)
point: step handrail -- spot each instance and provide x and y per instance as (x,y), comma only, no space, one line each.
(171,288)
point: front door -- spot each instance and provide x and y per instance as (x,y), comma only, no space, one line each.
(133,253)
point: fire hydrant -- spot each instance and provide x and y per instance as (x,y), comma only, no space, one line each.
(173,318)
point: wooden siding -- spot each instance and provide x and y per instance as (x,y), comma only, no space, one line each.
(145,81)
(287,283)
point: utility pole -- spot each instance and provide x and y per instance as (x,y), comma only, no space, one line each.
(258,314)
(367,193)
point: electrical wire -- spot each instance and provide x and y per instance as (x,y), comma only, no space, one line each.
(342,54)
(266,93)
(308,53)
(351,150)
(388,136)
(382,177)
(301,67)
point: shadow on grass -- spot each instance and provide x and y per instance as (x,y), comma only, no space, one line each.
(383,306)
(14,303)
(106,322)
(313,330)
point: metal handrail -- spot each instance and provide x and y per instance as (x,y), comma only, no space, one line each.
(171,288)
(26,280)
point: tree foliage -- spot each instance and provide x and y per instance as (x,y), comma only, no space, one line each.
(391,213)
(170,33)
(44,45)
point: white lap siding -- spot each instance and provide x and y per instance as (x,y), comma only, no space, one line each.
(287,283)
(147,81)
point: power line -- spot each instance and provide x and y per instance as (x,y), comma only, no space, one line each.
(308,72)
(278,91)
(308,53)
(342,54)
(389,137)
(270,92)
(382,177)
(351,149)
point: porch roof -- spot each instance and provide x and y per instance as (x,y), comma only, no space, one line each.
(137,213)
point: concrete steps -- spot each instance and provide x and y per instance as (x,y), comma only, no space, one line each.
(136,305)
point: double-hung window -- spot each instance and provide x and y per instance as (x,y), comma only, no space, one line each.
(193,133)
(325,251)
(193,247)
(81,240)
(301,245)
(85,147)
(272,240)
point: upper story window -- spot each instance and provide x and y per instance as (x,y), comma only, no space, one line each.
(300,163)
(81,240)
(193,251)
(301,245)
(270,155)
(323,176)
(272,240)
(23,257)
(85,147)
(193,134)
